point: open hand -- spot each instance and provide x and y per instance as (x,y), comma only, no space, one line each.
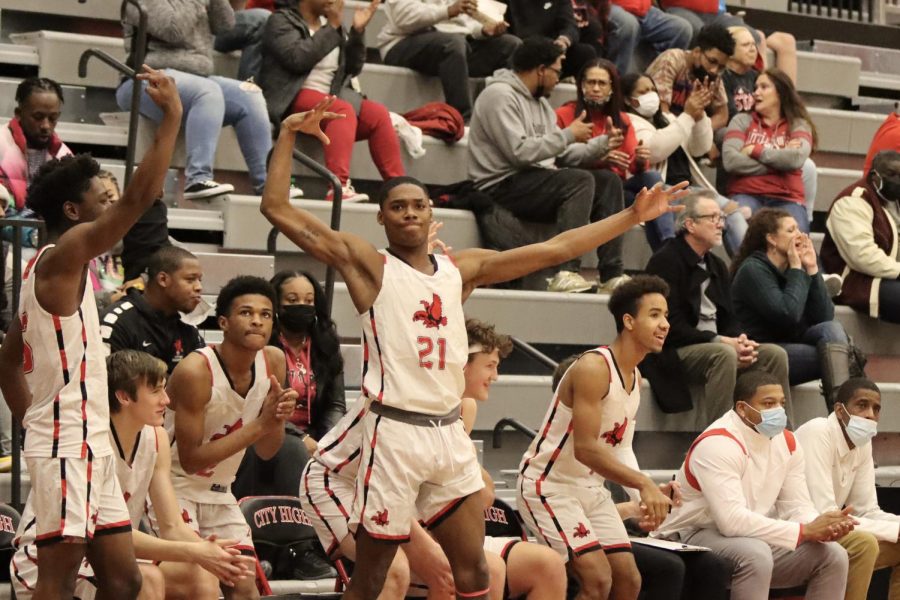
(434,241)
(658,200)
(616,137)
(310,121)
(362,16)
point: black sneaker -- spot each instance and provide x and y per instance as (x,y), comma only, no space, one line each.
(308,562)
(206,189)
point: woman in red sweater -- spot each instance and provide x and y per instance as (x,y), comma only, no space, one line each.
(764,149)
(600,102)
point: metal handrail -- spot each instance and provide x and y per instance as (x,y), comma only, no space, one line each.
(512,424)
(16,442)
(336,205)
(138,52)
(534,352)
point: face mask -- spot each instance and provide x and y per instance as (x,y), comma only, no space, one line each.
(297,318)
(774,420)
(595,104)
(648,104)
(700,74)
(888,188)
(860,430)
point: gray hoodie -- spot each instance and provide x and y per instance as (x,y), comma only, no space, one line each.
(511,130)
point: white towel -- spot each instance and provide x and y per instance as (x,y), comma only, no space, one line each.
(410,135)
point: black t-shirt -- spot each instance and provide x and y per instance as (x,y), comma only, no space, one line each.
(149,234)
(678,168)
(739,89)
(132,324)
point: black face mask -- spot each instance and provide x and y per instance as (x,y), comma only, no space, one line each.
(889,188)
(297,318)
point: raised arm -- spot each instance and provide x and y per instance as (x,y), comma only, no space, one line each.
(587,385)
(60,271)
(359,263)
(483,267)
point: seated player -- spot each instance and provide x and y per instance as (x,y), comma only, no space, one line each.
(532,571)
(172,565)
(227,397)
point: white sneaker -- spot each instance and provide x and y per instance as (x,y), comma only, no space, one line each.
(207,189)
(295,192)
(348,194)
(607,287)
(833,283)
(568,281)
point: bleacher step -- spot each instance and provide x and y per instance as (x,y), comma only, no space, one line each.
(14,54)
(91,9)
(59,53)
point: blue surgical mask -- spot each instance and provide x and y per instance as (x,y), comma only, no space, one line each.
(860,430)
(774,420)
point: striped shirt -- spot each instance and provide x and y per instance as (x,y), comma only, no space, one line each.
(65,368)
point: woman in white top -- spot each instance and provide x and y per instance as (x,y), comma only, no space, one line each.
(675,141)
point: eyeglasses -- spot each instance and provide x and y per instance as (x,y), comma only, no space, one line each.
(588,83)
(714,218)
(555,70)
(712,61)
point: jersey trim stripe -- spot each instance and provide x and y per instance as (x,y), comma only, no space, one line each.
(341,437)
(531,512)
(368,475)
(333,496)
(353,455)
(61,345)
(554,456)
(335,542)
(83,386)
(544,434)
(87,505)
(377,347)
(562,534)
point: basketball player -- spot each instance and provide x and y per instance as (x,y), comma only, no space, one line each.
(226,397)
(52,369)
(416,457)
(137,403)
(586,438)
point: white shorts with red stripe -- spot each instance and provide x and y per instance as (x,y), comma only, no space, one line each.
(225,521)
(410,471)
(75,499)
(327,500)
(572,520)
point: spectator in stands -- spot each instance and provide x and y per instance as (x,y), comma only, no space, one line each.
(861,240)
(310,55)
(246,36)
(840,472)
(780,297)
(600,96)
(180,43)
(886,138)
(706,344)
(592,20)
(764,149)
(678,72)
(149,321)
(745,498)
(674,142)
(514,145)
(555,20)
(451,40)
(106,270)
(636,21)
(308,337)
(740,77)
(29,139)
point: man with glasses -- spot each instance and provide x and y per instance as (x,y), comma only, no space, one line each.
(515,146)
(676,72)
(705,343)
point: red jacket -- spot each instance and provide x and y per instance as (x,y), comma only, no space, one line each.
(706,7)
(565,114)
(638,8)
(14,165)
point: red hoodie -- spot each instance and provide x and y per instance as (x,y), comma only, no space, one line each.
(565,114)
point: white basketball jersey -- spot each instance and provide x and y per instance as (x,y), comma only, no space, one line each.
(134,479)
(225,413)
(339,449)
(551,456)
(414,338)
(65,368)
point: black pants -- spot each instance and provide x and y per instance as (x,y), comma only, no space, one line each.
(570,198)
(453,58)
(279,476)
(697,574)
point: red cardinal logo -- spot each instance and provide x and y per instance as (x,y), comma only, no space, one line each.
(94,518)
(614,436)
(581,531)
(433,315)
(127,496)
(381,518)
(186,517)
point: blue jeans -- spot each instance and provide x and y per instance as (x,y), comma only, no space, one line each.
(209,103)
(797,210)
(661,228)
(246,36)
(660,29)
(699,20)
(803,358)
